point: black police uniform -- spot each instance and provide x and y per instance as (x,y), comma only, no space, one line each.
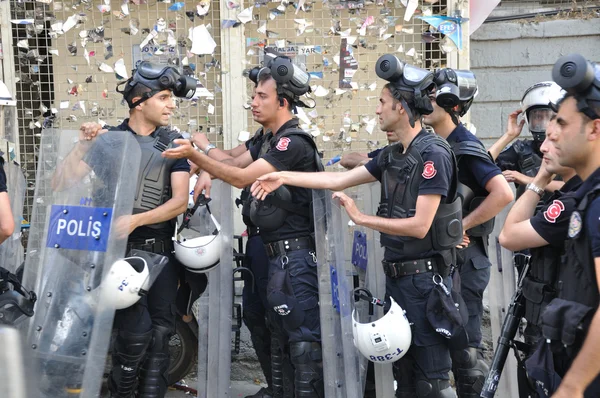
(475,169)
(290,246)
(145,327)
(427,168)
(523,156)
(566,320)
(373,154)
(254,295)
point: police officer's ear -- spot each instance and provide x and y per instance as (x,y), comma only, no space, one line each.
(595,133)
(134,100)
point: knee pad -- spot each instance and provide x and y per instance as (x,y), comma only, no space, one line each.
(307,359)
(435,388)
(128,351)
(469,372)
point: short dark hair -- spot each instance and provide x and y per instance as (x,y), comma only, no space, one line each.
(266,75)
(137,91)
(407,96)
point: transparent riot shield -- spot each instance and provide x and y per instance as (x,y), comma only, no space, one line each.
(11,250)
(375,282)
(81,215)
(215,305)
(344,368)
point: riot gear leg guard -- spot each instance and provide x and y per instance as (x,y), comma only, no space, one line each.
(127,355)
(282,372)
(469,372)
(435,388)
(261,340)
(153,380)
(405,377)
(307,359)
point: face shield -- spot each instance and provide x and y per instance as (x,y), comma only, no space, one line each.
(455,88)
(538,119)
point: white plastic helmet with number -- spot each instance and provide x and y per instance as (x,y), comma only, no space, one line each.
(536,104)
(385,340)
(199,254)
(124,282)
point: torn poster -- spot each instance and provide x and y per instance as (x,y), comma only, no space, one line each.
(348,64)
(450,26)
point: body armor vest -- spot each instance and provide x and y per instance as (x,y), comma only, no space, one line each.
(577,276)
(154,181)
(529,162)
(469,200)
(270,214)
(402,174)
(539,285)
(245,195)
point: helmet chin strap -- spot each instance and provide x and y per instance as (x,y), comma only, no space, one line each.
(453,115)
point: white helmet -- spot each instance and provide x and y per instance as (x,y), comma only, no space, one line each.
(125,282)
(385,340)
(199,254)
(537,102)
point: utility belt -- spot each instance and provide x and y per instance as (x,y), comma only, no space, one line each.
(253,231)
(400,269)
(152,245)
(281,247)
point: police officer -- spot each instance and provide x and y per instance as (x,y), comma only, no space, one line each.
(141,346)
(254,294)
(7,223)
(544,233)
(485,192)
(417,249)
(284,221)
(571,321)
(521,161)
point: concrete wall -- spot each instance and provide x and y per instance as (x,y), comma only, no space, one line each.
(509,57)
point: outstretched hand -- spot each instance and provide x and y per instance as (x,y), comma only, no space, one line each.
(266,184)
(348,203)
(514,128)
(182,151)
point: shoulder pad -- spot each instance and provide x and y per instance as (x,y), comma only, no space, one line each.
(589,197)
(471,148)
(297,131)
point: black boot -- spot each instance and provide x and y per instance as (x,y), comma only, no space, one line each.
(307,359)
(261,341)
(469,372)
(153,378)
(127,354)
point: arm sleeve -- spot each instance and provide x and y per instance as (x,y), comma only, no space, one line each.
(552,221)
(437,173)
(287,152)
(373,168)
(482,170)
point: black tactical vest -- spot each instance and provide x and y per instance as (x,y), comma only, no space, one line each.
(469,201)
(154,180)
(402,174)
(245,195)
(577,276)
(270,214)
(539,285)
(529,162)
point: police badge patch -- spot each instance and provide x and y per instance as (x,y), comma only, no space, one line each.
(575,224)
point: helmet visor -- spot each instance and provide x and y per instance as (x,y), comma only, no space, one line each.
(413,75)
(539,118)
(467,84)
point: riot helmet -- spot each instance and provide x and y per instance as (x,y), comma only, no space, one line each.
(537,106)
(580,78)
(157,78)
(455,88)
(292,81)
(385,340)
(198,251)
(409,78)
(269,214)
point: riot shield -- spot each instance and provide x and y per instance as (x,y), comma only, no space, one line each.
(79,226)
(216,303)
(375,282)
(344,368)
(11,250)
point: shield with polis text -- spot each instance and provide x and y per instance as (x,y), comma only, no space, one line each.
(79,226)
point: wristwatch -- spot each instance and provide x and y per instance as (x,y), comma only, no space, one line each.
(208,148)
(532,187)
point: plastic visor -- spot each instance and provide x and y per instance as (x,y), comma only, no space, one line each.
(539,118)
(467,84)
